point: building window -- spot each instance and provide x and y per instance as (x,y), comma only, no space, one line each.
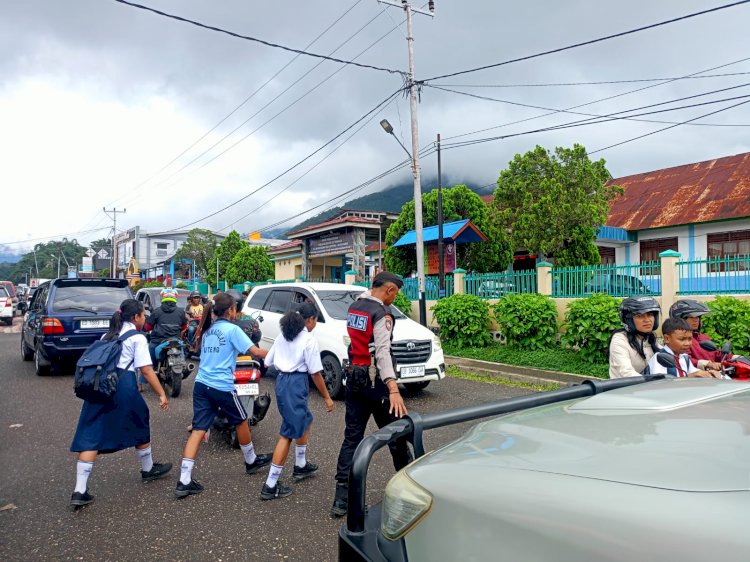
(650,249)
(607,255)
(725,245)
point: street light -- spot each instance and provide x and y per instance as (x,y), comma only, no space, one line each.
(389,129)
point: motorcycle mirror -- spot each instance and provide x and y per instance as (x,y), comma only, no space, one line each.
(666,360)
(727,347)
(708,345)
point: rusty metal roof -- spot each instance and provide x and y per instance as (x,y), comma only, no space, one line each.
(693,193)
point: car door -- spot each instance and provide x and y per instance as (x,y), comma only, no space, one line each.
(277,304)
(33,325)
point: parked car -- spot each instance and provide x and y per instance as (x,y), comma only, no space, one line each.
(7,311)
(494,289)
(418,352)
(65,316)
(151,300)
(617,285)
(614,470)
(11,289)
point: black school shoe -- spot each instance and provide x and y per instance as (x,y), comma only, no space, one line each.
(156,472)
(79,499)
(259,462)
(278,491)
(184,490)
(300,473)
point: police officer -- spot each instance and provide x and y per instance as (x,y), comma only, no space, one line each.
(371,389)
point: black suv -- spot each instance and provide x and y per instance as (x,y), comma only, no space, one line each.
(65,316)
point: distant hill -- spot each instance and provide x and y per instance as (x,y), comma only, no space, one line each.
(9,255)
(390,199)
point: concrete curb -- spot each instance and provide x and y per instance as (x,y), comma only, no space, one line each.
(514,372)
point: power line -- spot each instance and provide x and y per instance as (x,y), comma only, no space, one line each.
(589,42)
(247,99)
(51,238)
(261,41)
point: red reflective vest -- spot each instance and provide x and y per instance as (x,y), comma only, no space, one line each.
(361,318)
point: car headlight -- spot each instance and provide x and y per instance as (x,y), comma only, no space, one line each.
(404,505)
(437,345)
(347,341)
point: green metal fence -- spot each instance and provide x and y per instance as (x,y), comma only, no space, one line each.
(714,275)
(615,280)
(495,285)
(322,280)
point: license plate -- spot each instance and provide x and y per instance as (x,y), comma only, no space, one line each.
(99,323)
(408,372)
(249,389)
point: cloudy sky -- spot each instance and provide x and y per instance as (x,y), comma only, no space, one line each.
(106,105)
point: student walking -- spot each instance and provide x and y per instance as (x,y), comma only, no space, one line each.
(221,343)
(122,422)
(296,355)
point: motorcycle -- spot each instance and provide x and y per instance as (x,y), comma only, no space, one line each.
(172,365)
(733,366)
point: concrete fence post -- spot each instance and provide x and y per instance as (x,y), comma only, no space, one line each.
(459,281)
(350,277)
(544,278)
(670,280)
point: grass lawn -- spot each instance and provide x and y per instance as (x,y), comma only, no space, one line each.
(455,372)
(553,359)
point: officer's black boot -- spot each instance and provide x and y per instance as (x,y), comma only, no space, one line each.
(341,500)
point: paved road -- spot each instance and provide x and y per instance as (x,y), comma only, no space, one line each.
(131,520)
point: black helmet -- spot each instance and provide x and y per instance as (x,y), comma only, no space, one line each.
(686,308)
(194,294)
(638,305)
(239,299)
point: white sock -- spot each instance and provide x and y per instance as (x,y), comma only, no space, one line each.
(186,471)
(299,455)
(249,452)
(83,471)
(273,475)
(147,461)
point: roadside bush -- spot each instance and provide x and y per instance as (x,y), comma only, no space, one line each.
(729,320)
(464,320)
(528,321)
(403,303)
(590,322)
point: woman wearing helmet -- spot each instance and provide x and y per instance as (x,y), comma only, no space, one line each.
(691,311)
(631,347)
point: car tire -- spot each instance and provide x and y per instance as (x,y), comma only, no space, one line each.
(333,375)
(27,354)
(413,388)
(42,367)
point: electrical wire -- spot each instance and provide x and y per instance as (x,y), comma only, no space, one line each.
(589,42)
(50,238)
(261,41)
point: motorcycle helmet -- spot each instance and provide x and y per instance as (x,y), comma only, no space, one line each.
(687,308)
(638,305)
(238,298)
(195,294)
(168,294)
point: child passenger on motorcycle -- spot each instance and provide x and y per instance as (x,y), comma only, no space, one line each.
(678,338)
(691,311)
(221,343)
(296,355)
(194,312)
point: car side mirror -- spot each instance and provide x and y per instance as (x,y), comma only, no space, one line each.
(666,360)
(708,345)
(260,318)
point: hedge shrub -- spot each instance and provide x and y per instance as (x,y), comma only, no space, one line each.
(729,320)
(528,321)
(590,322)
(403,303)
(464,320)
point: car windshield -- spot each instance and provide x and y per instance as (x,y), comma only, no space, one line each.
(91,298)
(337,303)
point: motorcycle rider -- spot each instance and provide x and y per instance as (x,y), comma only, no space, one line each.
(194,313)
(691,311)
(371,389)
(165,323)
(631,347)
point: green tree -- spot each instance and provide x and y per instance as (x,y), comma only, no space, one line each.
(251,263)
(43,260)
(459,202)
(553,202)
(200,246)
(229,247)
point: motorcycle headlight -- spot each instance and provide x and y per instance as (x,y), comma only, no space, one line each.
(404,505)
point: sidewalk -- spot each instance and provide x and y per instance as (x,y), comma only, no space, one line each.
(514,372)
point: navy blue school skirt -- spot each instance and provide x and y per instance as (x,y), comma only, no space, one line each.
(118,424)
(291,398)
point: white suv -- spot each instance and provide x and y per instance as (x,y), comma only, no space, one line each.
(418,353)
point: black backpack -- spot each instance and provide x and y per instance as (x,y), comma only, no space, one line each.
(96,375)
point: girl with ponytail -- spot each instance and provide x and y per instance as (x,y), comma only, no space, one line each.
(123,422)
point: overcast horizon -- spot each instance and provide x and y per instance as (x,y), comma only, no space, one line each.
(106,105)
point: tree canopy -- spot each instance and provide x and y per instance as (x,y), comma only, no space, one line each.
(553,202)
(229,247)
(43,260)
(251,263)
(459,202)
(200,246)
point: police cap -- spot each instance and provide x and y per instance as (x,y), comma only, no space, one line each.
(387,277)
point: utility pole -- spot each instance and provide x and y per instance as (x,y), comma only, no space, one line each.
(112,261)
(418,227)
(441,258)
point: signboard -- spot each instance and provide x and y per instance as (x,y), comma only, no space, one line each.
(102,253)
(72,273)
(90,253)
(87,265)
(333,244)
(449,258)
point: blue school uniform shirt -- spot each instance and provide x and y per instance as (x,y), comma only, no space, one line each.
(220,346)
